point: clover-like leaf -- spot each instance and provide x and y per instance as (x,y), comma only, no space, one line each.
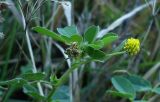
(123,85)
(49,33)
(91,34)
(139,83)
(68,31)
(95,54)
(109,38)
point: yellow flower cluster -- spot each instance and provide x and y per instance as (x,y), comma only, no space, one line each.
(132,46)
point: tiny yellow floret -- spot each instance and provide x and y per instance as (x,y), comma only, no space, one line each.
(132,46)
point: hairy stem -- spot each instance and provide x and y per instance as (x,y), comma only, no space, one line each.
(62,80)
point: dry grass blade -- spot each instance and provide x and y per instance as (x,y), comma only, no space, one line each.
(67,11)
(152,71)
(120,20)
(15,11)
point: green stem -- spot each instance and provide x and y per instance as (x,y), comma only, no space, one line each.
(66,74)
(8,93)
(108,56)
(62,80)
(147,95)
(9,52)
(115,53)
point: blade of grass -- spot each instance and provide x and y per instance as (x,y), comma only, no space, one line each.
(120,20)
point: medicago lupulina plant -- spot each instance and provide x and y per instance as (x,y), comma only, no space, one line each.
(86,48)
(83,49)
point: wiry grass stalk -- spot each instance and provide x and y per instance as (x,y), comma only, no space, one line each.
(35,11)
(34,69)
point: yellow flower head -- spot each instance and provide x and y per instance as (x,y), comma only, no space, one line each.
(132,46)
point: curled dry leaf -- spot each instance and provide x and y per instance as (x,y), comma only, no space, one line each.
(3,5)
(1,19)
(1,35)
